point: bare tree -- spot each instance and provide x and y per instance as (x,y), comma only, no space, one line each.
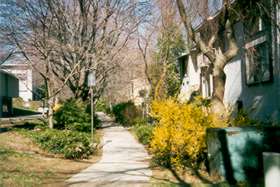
(33,35)
(159,57)
(92,34)
(144,43)
(65,40)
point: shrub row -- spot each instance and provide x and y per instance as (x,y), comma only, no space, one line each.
(143,131)
(71,144)
(125,113)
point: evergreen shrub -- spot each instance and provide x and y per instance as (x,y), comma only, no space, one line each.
(75,115)
(125,113)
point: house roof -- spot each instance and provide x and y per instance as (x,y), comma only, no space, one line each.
(200,11)
(15,64)
(7,73)
(203,9)
(183,55)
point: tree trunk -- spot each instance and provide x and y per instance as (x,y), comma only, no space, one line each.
(160,92)
(219,80)
(49,85)
(50,113)
(218,95)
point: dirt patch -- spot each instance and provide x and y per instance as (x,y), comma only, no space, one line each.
(22,163)
(162,175)
(186,177)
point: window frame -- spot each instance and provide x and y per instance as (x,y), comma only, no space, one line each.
(261,37)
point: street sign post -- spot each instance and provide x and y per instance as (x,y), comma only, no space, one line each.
(91,84)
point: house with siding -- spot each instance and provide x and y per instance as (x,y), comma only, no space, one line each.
(252,77)
(24,74)
(9,88)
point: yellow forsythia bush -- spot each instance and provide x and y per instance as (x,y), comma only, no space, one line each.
(179,136)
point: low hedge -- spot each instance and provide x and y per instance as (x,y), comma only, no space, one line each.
(125,113)
(143,131)
(71,144)
(102,106)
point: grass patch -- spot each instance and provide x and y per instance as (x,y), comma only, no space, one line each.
(13,173)
(69,144)
(23,163)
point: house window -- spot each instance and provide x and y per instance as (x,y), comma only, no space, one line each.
(258,52)
(182,66)
(257,61)
(206,83)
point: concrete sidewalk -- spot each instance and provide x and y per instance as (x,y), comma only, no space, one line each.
(124,162)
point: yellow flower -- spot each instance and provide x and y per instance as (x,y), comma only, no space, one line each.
(179,136)
(57,107)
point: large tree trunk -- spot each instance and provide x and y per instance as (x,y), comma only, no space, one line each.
(219,80)
(218,95)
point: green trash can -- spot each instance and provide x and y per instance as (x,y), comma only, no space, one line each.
(235,154)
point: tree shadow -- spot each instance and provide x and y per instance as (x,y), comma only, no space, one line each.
(26,125)
(179,176)
(220,163)
(100,177)
(23,112)
(182,182)
(229,173)
(4,129)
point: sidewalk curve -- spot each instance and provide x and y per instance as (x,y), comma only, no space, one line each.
(124,162)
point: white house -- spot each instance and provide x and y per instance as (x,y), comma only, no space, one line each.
(138,86)
(24,74)
(9,85)
(192,67)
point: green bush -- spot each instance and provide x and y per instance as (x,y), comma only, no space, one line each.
(102,106)
(72,144)
(125,113)
(75,115)
(243,119)
(143,131)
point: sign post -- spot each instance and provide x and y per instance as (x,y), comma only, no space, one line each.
(91,84)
